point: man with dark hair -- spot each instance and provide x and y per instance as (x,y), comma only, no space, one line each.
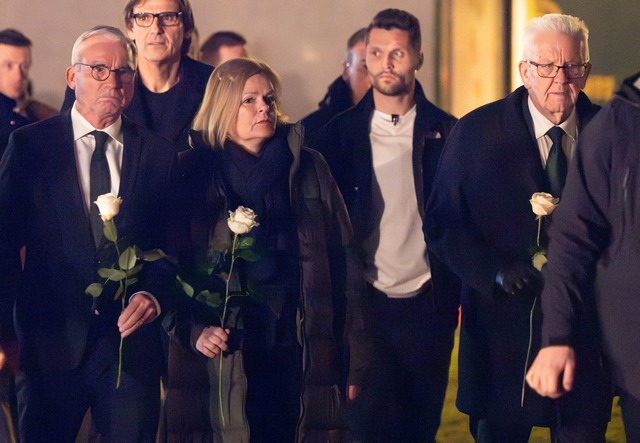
(481,224)
(222,46)
(17,108)
(347,90)
(169,85)
(49,177)
(402,304)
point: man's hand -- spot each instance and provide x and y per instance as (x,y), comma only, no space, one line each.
(520,280)
(352,392)
(552,372)
(141,310)
(3,358)
(212,341)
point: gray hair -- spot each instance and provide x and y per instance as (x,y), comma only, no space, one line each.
(112,34)
(562,23)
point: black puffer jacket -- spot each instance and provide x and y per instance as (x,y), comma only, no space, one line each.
(323,229)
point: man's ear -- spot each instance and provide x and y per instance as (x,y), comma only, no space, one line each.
(525,73)
(583,80)
(345,71)
(420,61)
(70,75)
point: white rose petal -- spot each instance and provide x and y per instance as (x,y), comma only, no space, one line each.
(242,220)
(108,205)
(543,204)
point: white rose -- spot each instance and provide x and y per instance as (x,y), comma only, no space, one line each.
(242,220)
(543,203)
(108,205)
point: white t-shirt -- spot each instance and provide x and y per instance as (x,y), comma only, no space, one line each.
(396,254)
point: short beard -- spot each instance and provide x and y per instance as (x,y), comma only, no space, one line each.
(391,90)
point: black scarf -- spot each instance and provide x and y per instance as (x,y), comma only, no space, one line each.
(262,183)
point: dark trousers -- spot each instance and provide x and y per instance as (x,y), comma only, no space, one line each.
(52,406)
(630,406)
(581,416)
(273,394)
(402,396)
(487,431)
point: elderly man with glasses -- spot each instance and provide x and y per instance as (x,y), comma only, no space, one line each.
(169,86)
(50,176)
(481,224)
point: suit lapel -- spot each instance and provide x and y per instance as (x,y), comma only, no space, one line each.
(527,152)
(130,159)
(67,195)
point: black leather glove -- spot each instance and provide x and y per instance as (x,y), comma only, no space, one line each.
(520,280)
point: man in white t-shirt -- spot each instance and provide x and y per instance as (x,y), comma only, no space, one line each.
(402,306)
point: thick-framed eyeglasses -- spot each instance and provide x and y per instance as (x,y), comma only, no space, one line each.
(145,19)
(102,72)
(550,71)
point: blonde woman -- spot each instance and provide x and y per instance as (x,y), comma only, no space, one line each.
(281,382)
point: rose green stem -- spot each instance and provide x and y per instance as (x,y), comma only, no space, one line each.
(124,296)
(121,340)
(226,295)
(220,392)
(538,237)
(223,319)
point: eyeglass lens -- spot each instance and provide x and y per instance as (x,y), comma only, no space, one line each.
(145,19)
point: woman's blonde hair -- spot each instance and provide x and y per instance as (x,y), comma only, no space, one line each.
(223,96)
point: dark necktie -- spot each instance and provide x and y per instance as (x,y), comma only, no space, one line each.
(100,183)
(556,162)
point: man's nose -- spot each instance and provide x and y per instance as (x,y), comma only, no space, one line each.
(561,76)
(156,25)
(387,62)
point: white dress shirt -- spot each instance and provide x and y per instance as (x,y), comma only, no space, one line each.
(84,144)
(541,125)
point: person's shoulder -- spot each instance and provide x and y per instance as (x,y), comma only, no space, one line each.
(616,119)
(41,142)
(133,130)
(201,70)
(45,127)
(428,110)
(496,112)
(314,157)
(351,119)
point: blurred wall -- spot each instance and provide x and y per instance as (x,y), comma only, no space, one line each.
(473,68)
(304,41)
(613,42)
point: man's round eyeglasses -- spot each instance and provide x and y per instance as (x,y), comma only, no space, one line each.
(145,19)
(550,71)
(102,72)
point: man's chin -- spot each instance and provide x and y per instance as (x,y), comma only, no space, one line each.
(112,109)
(14,95)
(390,90)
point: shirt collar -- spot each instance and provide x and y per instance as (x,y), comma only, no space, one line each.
(82,127)
(541,124)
